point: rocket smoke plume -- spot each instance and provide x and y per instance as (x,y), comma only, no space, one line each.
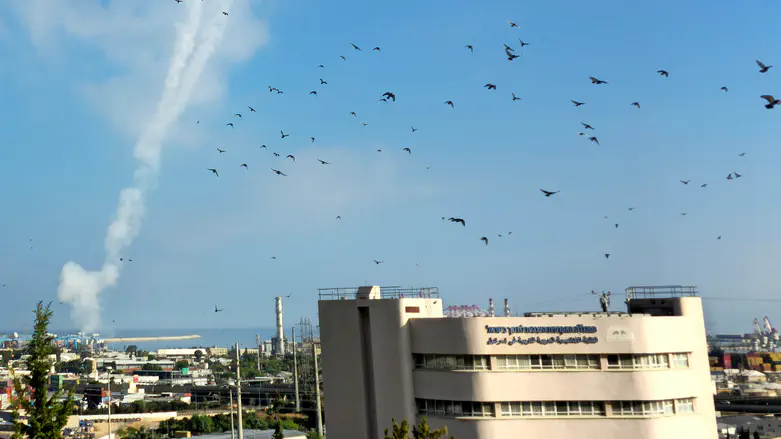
(195,44)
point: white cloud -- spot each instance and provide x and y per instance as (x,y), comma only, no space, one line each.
(136,39)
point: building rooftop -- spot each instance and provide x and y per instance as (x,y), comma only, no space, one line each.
(660,291)
(392,292)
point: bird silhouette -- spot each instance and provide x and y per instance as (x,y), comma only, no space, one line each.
(389,95)
(378,262)
(377,48)
(457,220)
(352,113)
(515,98)
(407,149)
(510,56)
(338,217)
(323,82)
(737,175)
(229,124)
(263,146)
(616,225)
(243,165)
(597,81)
(607,255)
(469,46)
(762,67)
(215,306)
(288,296)
(490,86)
(279,173)
(342,57)
(323,162)
(683,213)
(594,139)
(364,124)
(729,176)
(276,154)
(312,139)
(718,237)
(663,73)
(220,150)
(225,13)
(213,171)
(313,93)
(290,156)
(485,240)
(631,209)
(685,181)
(450,103)
(413,129)
(724,88)
(548,193)
(587,126)
(577,104)
(771,101)
(522,43)
(512,24)
(251,109)
(321,66)
(238,115)
(356,47)
(704,185)
(283,134)
(636,104)
(741,154)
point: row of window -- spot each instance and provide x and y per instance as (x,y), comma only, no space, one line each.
(668,407)
(552,362)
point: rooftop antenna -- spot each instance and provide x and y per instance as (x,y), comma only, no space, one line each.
(604,300)
(491,307)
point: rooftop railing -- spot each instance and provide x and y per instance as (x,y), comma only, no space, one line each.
(391,292)
(662,291)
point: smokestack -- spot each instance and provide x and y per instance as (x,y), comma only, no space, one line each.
(506,308)
(280,340)
(491,307)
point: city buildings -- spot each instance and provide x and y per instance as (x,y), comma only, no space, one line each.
(641,374)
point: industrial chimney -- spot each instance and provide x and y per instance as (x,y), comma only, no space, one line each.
(491,307)
(506,308)
(279,340)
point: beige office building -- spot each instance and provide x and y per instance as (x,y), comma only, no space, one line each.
(641,374)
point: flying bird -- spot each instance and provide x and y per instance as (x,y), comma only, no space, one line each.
(685,181)
(725,88)
(276,154)
(594,139)
(469,46)
(238,115)
(378,262)
(378,49)
(485,240)
(278,173)
(490,86)
(663,73)
(342,57)
(323,162)
(704,185)
(213,171)
(243,165)
(597,81)
(321,66)
(771,101)
(631,209)
(741,154)
(737,175)
(263,146)
(215,306)
(457,220)
(313,93)
(352,113)
(522,43)
(270,89)
(587,126)
(718,237)
(383,100)
(220,150)
(364,124)
(413,129)
(177,1)
(607,255)
(683,213)
(356,47)
(548,193)
(516,98)
(450,103)
(512,24)
(251,109)
(288,296)
(312,139)
(389,95)
(508,50)
(407,149)
(283,134)
(322,82)
(290,156)
(763,68)
(225,13)
(636,104)
(616,225)
(338,217)
(229,124)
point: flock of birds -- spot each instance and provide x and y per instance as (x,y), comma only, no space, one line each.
(390,97)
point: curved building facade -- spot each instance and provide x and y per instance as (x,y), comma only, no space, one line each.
(638,374)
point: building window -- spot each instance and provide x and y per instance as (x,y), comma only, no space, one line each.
(455,408)
(451,362)
(685,405)
(643,408)
(679,360)
(553,408)
(551,362)
(637,361)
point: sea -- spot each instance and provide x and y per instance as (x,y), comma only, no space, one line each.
(210,337)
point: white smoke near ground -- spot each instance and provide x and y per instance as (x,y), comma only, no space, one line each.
(195,44)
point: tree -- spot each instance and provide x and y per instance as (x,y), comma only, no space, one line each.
(46,416)
(422,431)
(198,355)
(132,349)
(181,364)
(278,432)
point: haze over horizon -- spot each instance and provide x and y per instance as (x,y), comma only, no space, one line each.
(84,78)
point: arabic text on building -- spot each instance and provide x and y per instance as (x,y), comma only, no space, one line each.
(561,330)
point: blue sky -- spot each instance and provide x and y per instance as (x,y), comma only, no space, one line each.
(79,85)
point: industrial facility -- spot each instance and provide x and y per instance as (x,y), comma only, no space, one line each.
(393,353)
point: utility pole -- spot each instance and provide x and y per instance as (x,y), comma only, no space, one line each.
(238,391)
(109,402)
(257,344)
(233,429)
(295,371)
(317,391)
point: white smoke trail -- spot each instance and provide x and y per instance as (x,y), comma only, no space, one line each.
(82,288)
